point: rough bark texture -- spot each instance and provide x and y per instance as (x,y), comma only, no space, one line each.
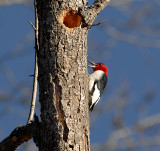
(63,76)
(61,47)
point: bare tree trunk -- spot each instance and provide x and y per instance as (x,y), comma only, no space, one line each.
(63,77)
(61,51)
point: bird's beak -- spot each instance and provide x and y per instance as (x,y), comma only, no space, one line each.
(93,64)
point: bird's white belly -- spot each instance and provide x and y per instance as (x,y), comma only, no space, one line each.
(96,95)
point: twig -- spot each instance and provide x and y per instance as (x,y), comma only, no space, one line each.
(33,26)
(34,93)
(100,23)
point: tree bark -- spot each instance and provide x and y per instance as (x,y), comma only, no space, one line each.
(63,77)
(61,51)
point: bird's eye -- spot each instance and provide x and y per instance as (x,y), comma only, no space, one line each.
(100,64)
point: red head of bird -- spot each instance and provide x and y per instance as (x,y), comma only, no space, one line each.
(98,66)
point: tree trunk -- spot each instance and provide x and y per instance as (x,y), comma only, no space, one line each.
(63,77)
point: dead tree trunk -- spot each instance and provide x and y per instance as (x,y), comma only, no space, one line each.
(61,51)
(63,77)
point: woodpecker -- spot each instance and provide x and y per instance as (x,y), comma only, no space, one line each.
(97,83)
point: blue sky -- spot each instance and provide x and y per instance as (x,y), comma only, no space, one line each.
(127,44)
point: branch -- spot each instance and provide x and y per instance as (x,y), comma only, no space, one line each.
(100,23)
(131,38)
(125,132)
(90,13)
(18,136)
(11,2)
(99,5)
(34,93)
(32,25)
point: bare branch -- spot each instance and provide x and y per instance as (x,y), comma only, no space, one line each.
(148,122)
(99,5)
(18,136)
(100,23)
(34,93)
(131,38)
(125,132)
(32,25)
(10,2)
(90,13)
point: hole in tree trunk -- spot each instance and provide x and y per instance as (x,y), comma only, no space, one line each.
(70,19)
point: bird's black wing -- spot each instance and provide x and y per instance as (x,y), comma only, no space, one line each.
(102,83)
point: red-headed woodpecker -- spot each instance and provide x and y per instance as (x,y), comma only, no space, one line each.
(97,83)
